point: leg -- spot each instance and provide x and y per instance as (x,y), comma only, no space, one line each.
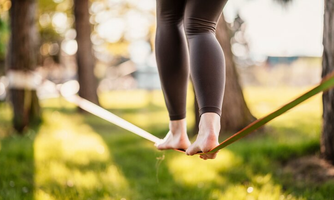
(172,60)
(207,70)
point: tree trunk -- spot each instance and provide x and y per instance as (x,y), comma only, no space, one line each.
(21,57)
(85,58)
(235,113)
(327,139)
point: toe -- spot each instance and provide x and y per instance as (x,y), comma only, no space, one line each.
(160,146)
(211,156)
(203,157)
(193,149)
(208,156)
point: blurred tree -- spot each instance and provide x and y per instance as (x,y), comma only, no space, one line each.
(4,32)
(51,35)
(3,41)
(85,58)
(235,113)
(22,58)
(327,139)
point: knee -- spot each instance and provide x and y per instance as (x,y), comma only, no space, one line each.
(194,26)
(169,19)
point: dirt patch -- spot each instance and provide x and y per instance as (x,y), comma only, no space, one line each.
(310,168)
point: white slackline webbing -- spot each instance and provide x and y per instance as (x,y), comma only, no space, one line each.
(68,90)
(103,113)
(108,116)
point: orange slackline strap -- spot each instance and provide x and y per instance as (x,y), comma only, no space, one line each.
(326,83)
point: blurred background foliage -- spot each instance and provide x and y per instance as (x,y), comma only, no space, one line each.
(75,156)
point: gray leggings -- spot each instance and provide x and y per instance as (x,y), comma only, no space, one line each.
(185,37)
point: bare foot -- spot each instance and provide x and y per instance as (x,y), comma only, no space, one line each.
(207,137)
(177,137)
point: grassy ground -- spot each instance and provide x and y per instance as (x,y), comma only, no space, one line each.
(75,156)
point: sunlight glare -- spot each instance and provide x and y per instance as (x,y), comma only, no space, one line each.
(40,194)
(59,21)
(115,1)
(70,88)
(145,5)
(250,189)
(5,6)
(112,29)
(137,26)
(73,155)
(239,50)
(140,52)
(44,19)
(97,7)
(182,167)
(70,47)
(241,191)
(2,89)
(98,42)
(71,34)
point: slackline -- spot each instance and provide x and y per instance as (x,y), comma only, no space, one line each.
(326,83)
(103,113)
(108,116)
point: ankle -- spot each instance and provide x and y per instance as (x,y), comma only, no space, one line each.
(178,126)
(209,123)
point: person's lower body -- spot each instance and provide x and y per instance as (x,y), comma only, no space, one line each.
(186,44)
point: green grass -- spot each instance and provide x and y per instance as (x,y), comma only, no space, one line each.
(76,156)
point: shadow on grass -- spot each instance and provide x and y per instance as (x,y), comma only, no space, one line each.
(151,178)
(148,174)
(259,167)
(17,165)
(256,170)
(144,168)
